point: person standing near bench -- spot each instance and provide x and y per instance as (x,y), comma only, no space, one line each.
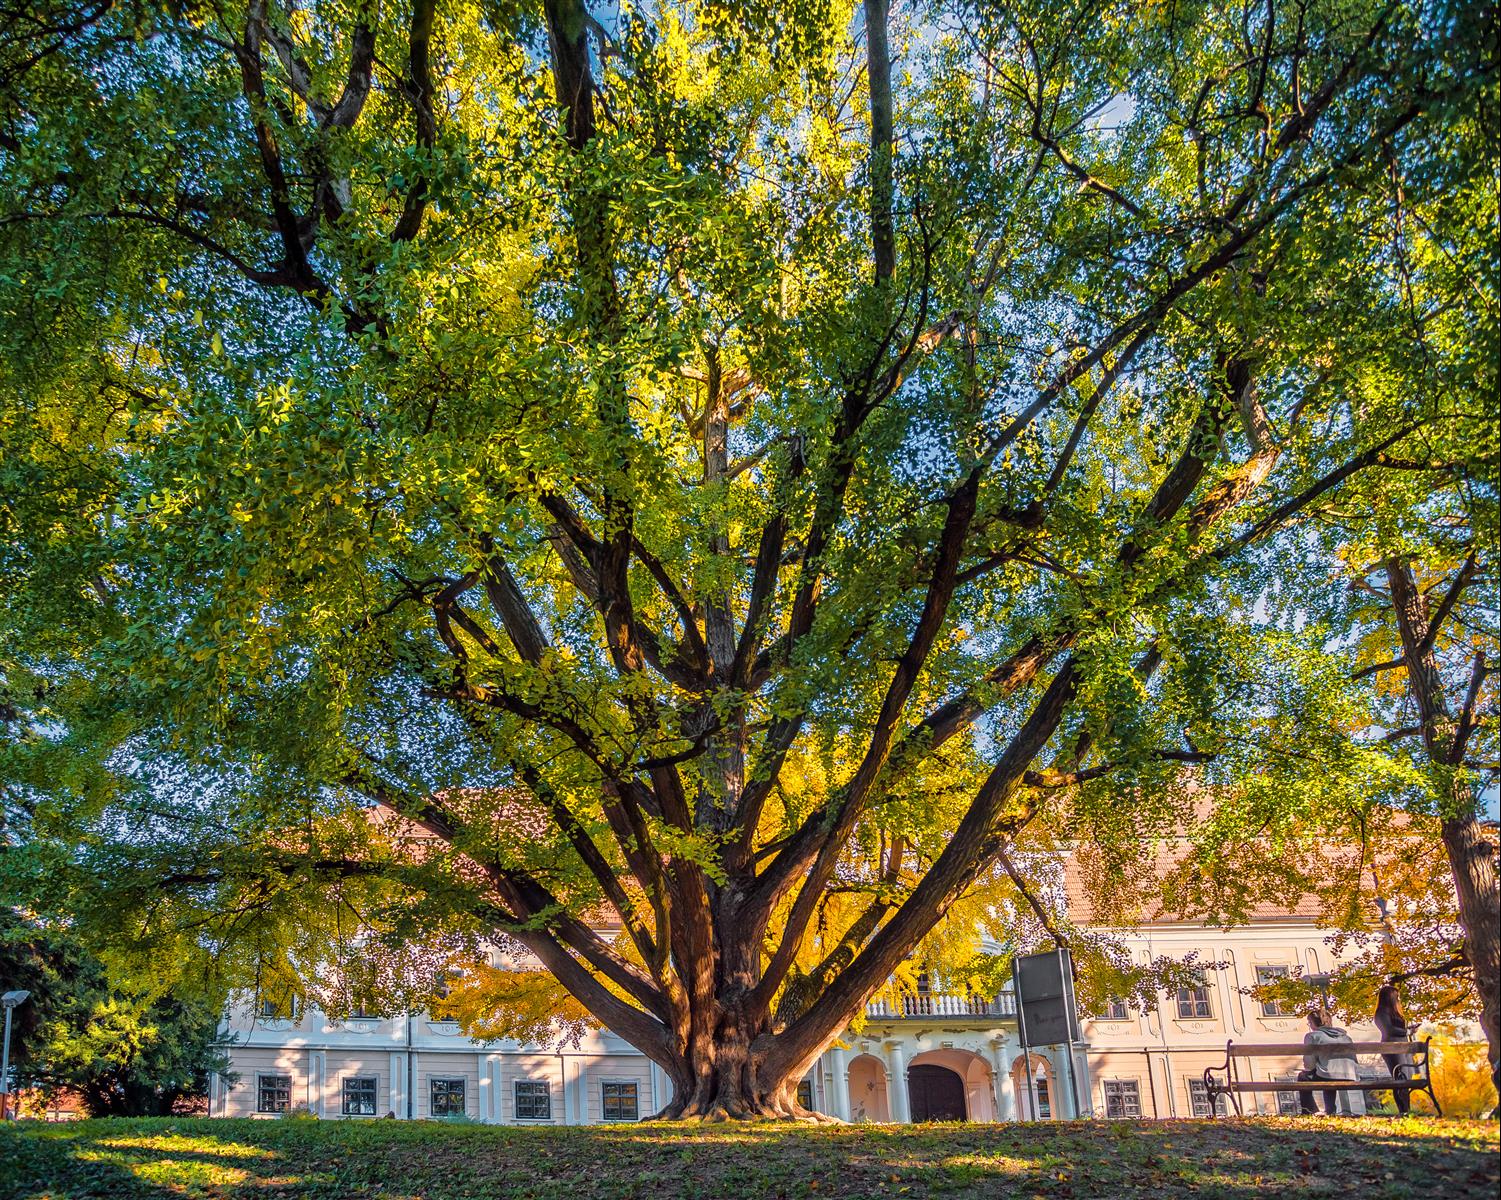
(1392,1024)
(1327,1058)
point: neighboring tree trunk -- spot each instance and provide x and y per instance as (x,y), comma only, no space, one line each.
(1472,860)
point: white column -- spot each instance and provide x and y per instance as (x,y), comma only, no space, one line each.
(1079,1060)
(896,1084)
(841,1090)
(581,1090)
(567,1091)
(1005,1101)
(398,1085)
(1063,1083)
(661,1088)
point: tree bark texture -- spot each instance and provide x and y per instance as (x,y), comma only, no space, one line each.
(1472,859)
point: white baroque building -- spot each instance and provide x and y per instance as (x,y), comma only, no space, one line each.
(933,1057)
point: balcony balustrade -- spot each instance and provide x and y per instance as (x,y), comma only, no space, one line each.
(926,1005)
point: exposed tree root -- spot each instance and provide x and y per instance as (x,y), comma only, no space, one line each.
(742,1109)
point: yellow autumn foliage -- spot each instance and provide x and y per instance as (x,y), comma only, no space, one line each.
(528,1006)
(1461,1077)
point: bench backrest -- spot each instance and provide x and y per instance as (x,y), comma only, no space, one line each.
(1239,1050)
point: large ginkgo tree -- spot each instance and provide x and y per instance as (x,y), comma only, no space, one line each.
(735,467)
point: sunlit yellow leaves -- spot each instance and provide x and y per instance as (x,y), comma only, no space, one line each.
(526,1005)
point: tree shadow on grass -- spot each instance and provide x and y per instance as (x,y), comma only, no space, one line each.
(109,1159)
(1235,1160)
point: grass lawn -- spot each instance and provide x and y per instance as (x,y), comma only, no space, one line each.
(386,1160)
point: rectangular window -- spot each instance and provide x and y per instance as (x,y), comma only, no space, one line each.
(1288,1104)
(1122,1098)
(533,1100)
(283,1008)
(359,1096)
(1116,1010)
(1193,1001)
(619,1102)
(447,1097)
(273,1093)
(805,1093)
(1264,976)
(1198,1099)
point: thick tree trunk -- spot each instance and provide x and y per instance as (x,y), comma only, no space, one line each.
(1471,859)
(721,1076)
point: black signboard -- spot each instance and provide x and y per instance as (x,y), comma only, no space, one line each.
(1045,998)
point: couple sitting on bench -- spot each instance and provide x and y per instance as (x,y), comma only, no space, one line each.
(1331,1055)
(1329,1065)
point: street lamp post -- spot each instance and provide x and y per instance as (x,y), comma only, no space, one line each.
(10,1000)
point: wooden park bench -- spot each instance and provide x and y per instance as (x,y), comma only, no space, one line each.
(1229,1083)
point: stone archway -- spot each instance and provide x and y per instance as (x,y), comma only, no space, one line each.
(932,1096)
(867,1084)
(1044,1088)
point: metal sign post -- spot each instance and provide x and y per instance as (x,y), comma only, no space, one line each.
(1045,1011)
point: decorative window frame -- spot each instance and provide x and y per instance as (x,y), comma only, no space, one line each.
(261,1090)
(604,1085)
(1271,1008)
(373,1090)
(546,1094)
(1199,1104)
(1125,1101)
(432,1095)
(1196,997)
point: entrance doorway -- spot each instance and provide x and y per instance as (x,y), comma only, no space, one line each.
(936,1093)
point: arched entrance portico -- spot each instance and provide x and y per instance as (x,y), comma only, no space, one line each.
(1037,1102)
(950,1085)
(867,1081)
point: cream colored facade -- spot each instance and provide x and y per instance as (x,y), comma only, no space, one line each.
(938,1056)
(1164,1053)
(391,1065)
(933,1056)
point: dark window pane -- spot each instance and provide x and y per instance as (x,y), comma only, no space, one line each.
(533,1100)
(447,1097)
(359,1096)
(273,1093)
(620,1102)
